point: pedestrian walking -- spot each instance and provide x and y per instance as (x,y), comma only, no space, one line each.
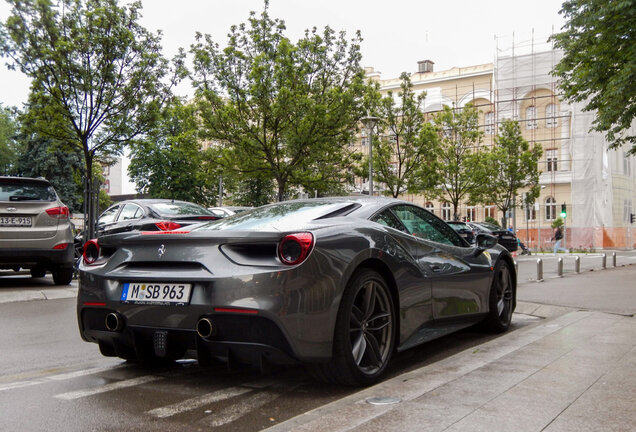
(558,238)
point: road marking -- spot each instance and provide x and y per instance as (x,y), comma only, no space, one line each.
(197,402)
(58,377)
(108,387)
(239,409)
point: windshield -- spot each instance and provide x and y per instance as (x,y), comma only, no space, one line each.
(489,226)
(180,208)
(26,191)
(276,216)
(459,227)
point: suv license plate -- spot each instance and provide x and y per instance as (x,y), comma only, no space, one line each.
(15,221)
(166,293)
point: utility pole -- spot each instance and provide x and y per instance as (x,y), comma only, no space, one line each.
(369,123)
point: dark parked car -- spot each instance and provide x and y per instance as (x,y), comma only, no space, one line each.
(151,215)
(464,230)
(35,229)
(338,284)
(506,238)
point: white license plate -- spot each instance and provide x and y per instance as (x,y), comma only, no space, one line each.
(15,221)
(156,292)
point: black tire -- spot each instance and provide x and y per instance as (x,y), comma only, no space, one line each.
(63,275)
(502,299)
(37,272)
(365,333)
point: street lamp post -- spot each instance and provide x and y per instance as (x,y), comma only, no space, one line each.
(369,123)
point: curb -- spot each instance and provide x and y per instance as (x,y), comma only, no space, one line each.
(541,310)
(26,294)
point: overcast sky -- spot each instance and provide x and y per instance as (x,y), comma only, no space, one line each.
(397,33)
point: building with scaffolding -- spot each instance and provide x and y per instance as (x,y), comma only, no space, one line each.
(596,185)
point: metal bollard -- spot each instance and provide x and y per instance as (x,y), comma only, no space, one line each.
(560,267)
(604,260)
(577,264)
(539,270)
(613,259)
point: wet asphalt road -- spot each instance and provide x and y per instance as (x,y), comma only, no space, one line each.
(51,380)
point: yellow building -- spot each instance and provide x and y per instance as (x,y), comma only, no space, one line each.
(597,185)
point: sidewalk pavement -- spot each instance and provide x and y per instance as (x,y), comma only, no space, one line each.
(574,371)
(52,292)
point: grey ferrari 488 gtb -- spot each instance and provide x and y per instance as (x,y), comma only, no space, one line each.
(338,284)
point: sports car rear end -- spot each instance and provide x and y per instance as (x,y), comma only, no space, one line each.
(246,296)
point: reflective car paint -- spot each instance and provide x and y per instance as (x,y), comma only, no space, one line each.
(233,265)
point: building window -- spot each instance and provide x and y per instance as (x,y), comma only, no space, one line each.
(550,209)
(470,214)
(430,207)
(489,211)
(531,213)
(627,164)
(550,116)
(531,117)
(551,160)
(446,211)
(489,120)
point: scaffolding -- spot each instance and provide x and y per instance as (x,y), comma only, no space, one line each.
(597,185)
(578,168)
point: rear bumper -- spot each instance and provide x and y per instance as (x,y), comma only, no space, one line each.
(237,339)
(40,258)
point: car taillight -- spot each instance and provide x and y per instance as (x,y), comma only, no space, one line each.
(167,225)
(61,212)
(207,218)
(61,246)
(294,248)
(91,251)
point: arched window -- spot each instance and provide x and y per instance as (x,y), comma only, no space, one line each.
(550,209)
(489,120)
(550,116)
(446,211)
(531,117)
(430,207)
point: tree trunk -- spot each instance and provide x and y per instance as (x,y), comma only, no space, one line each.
(89,201)
(281,190)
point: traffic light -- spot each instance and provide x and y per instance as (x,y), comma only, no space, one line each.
(564,211)
(632,218)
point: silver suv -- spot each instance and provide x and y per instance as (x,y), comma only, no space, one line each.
(35,229)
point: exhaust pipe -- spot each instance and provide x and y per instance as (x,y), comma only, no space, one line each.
(205,328)
(114,322)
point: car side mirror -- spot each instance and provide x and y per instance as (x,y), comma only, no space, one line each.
(483,242)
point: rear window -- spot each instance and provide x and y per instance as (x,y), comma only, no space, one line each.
(26,191)
(279,215)
(177,209)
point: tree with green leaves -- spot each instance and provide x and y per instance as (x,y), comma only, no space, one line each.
(8,144)
(253,192)
(98,76)
(169,161)
(45,157)
(509,167)
(283,111)
(458,158)
(404,146)
(598,66)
